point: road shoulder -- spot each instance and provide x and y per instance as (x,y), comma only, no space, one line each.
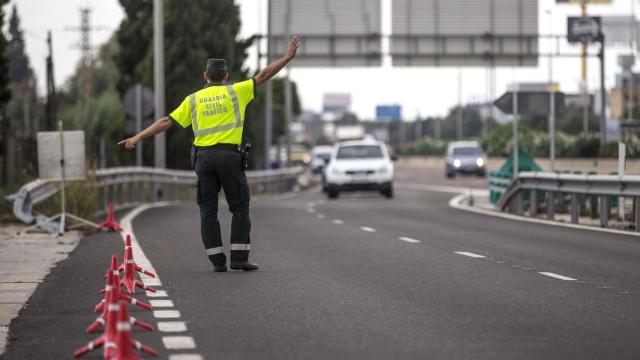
(25,261)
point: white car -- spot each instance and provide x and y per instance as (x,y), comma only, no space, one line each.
(362,165)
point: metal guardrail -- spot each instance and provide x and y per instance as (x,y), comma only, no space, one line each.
(594,193)
(128,186)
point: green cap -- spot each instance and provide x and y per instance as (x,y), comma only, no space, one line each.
(217,64)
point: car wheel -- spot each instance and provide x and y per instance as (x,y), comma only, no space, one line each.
(387,191)
(451,175)
(332,194)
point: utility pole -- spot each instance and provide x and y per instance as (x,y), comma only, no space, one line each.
(51,88)
(552,100)
(288,100)
(584,90)
(460,110)
(86,57)
(159,143)
(268,106)
(516,165)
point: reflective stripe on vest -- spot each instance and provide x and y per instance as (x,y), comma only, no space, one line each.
(216,129)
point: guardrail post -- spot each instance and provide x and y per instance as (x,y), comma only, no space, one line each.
(533,206)
(575,209)
(605,208)
(518,203)
(551,205)
(636,212)
(594,207)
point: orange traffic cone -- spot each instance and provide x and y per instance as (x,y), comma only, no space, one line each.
(112,292)
(124,345)
(110,223)
(129,279)
(112,300)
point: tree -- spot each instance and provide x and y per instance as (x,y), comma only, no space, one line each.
(20,70)
(5,94)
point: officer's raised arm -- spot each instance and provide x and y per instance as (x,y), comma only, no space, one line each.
(272,69)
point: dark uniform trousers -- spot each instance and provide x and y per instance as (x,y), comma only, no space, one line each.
(222,169)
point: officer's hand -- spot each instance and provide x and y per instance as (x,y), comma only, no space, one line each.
(129,143)
(294,44)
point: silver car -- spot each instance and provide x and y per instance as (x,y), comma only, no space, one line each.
(465,157)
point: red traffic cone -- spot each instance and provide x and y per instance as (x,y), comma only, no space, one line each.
(129,280)
(113,294)
(111,299)
(127,245)
(124,344)
(107,338)
(110,223)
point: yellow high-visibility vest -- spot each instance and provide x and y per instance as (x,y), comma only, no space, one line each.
(216,113)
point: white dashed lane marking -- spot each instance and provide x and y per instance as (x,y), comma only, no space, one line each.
(178,342)
(409,240)
(557,276)
(172,326)
(367,229)
(166,314)
(158,293)
(185,357)
(338,221)
(321,216)
(161,303)
(469,254)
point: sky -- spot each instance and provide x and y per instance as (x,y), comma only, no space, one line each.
(421,91)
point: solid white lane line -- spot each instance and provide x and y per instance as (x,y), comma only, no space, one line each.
(166,314)
(161,303)
(557,276)
(409,240)
(185,357)
(158,293)
(170,342)
(469,254)
(338,221)
(367,229)
(321,216)
(172,326)
(311,210)
(178,342)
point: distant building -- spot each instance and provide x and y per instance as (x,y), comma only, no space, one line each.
(488,111)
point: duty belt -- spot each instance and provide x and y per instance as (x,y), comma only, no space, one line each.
(230,147)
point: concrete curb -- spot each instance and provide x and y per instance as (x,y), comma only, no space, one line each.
(457,202)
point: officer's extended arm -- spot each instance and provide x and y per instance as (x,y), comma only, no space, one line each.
(272,69)
(157,127)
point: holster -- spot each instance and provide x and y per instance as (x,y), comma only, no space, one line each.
(194,151)
(244,153)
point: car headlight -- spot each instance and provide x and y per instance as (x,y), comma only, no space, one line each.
(480,162)
(457,163)
(384,169)
(306,158)
(335,171)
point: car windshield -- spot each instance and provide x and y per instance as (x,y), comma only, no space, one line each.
(467,151)
(323,156)
(359,152)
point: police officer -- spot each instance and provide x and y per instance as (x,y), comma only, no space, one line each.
(216,115)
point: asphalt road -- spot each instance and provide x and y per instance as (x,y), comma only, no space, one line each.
(367,278)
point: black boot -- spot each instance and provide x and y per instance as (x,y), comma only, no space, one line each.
(219,268)
(244,266)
